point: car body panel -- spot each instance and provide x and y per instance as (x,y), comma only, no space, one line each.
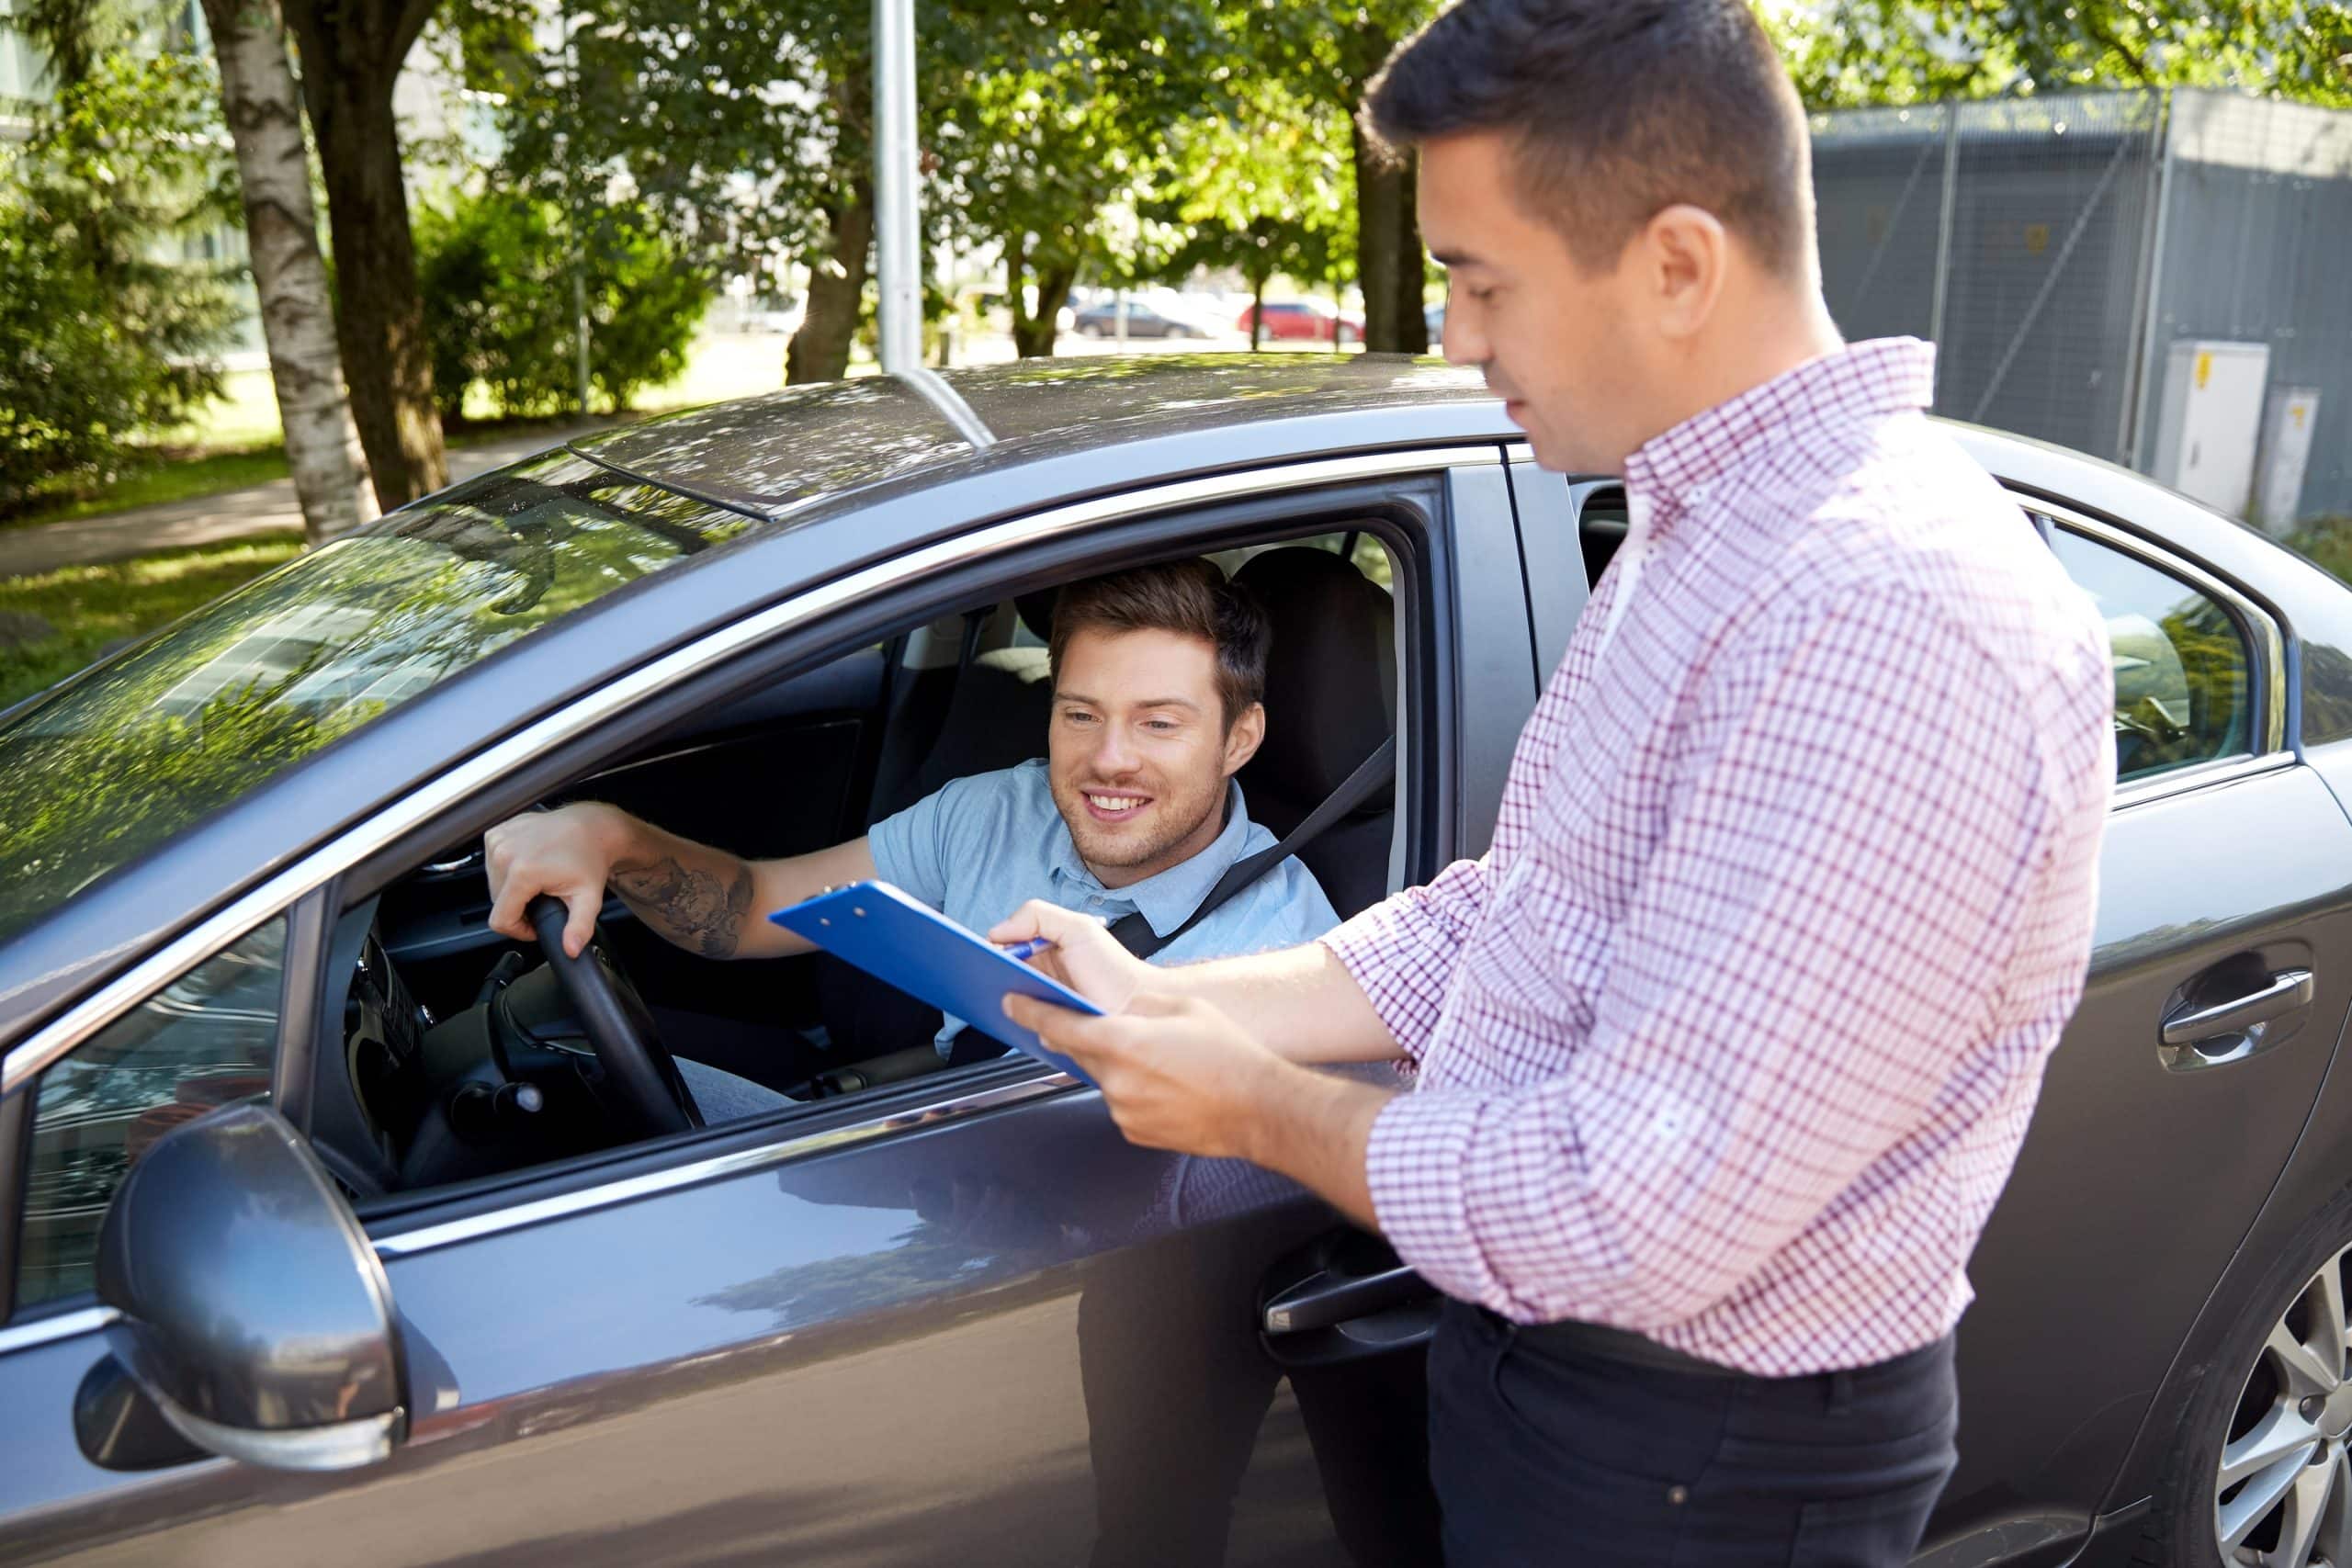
(883,1348)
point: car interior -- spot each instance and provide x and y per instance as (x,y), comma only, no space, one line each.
(455,1053)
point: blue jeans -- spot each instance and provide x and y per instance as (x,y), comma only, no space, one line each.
(720,1096)
(1545,1453)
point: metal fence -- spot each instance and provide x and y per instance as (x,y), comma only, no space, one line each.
(2055,248)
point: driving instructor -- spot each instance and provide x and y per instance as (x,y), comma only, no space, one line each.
(1725,1047)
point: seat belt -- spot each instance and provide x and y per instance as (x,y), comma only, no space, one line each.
(1135,934)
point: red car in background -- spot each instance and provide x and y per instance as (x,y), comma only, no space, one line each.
(1308,319)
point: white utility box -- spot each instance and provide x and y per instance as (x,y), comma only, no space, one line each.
(2287,425)
(2211,421)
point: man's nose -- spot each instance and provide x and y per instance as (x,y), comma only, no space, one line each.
(1460,339)
(1117,753)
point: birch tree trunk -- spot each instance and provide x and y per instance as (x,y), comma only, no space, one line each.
(265,116)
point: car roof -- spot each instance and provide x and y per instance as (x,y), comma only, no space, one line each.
(780,453)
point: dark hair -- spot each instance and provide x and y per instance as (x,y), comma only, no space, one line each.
(1618,109)
(1191,598)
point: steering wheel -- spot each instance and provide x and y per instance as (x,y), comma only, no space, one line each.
(638,1074)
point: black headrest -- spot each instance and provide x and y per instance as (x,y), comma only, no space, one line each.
(1036,612)
(1331,675)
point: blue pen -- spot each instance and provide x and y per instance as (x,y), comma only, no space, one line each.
(1030,949)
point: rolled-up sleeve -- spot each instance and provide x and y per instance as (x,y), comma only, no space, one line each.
(1806,958)
(1401,952)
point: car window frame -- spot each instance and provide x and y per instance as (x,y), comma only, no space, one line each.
(2270,747)
(596,722)
(299,988)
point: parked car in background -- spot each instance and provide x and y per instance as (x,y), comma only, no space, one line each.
(1144,320)
(1308,320)
(1433,319)
(335,1225)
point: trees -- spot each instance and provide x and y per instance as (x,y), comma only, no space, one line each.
(1859,51)
(103,339)
(1269,190)
(496,271)
(352,52)
(1055,113)
(265,116)
(1331,50)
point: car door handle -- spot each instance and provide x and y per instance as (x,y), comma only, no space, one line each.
(2287,991)
(1326,1301)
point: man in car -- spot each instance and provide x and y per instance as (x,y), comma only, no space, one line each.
(1159,675)
(1727,1044)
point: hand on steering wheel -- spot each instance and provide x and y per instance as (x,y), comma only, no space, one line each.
(641,1080)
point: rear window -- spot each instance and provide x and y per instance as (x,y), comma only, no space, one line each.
(112,765)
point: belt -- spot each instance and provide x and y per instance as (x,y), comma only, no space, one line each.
(1612,1345)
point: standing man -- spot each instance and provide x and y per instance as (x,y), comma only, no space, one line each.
(1726,1046)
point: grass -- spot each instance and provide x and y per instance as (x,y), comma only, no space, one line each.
(88,608)
(167,476)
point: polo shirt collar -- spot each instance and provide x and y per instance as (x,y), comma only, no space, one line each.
(1863,380)
(1167,899)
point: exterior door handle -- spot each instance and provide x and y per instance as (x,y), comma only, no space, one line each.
(1344,1296)
(1327,1302)
(2288,990)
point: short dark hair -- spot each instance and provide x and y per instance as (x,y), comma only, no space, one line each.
(1617,110)
(1191,598)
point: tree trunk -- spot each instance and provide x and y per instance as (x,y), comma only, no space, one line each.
(1388,251)
(352,52)
(265,116)
(1257,310)
(1032,336)
(820,349)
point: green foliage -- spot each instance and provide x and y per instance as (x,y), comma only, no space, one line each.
(1876,51)
(496,274)
(105,339)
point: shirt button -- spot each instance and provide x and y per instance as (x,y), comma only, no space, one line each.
(1677,1496)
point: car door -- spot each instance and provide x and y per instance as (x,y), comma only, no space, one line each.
(2225,872)
(958,1321)
(2225,877)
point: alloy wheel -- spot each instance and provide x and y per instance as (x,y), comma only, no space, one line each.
(2283,1491)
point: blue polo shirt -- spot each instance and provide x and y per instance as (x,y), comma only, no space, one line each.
(983,846)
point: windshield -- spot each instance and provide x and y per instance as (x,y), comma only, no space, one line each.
(108,768)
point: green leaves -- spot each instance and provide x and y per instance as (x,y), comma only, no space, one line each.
(108,340)
(1858,51)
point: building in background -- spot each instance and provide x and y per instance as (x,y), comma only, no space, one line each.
(2153,278)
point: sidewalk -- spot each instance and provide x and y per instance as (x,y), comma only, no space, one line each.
(233,515)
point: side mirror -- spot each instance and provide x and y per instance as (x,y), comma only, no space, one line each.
(255,1317)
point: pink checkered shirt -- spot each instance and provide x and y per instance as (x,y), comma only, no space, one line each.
(1732,1036)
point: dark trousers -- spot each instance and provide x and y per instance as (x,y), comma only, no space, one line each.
(1549,1453)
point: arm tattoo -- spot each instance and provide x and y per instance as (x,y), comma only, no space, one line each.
(702,913)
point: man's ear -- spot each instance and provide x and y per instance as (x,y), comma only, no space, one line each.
(1682,252)
(1243,738)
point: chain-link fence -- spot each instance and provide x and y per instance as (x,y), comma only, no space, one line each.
(2056,248)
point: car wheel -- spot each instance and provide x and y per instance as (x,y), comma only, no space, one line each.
(2261,1473)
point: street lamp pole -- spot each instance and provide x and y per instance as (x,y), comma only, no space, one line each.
(897,243)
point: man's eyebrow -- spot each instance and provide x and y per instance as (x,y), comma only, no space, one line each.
(1187,703)
(1457,258)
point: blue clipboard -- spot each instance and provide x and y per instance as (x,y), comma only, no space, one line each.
(913,946)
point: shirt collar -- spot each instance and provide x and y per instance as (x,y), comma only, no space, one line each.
(1884,376)
(1166,900)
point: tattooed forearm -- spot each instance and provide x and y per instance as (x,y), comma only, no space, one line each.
(695,909)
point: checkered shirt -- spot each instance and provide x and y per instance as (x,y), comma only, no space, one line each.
(1731,1037)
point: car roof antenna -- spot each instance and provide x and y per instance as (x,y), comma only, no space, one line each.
(898,236)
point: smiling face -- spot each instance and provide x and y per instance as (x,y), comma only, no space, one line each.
(1140,752)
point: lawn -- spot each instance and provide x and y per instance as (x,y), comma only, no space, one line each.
(52,625)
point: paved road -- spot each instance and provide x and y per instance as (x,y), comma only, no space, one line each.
(234,514)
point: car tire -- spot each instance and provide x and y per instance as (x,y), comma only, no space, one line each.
(2249,1383)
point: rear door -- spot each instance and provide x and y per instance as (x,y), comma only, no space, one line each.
(956,1321)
